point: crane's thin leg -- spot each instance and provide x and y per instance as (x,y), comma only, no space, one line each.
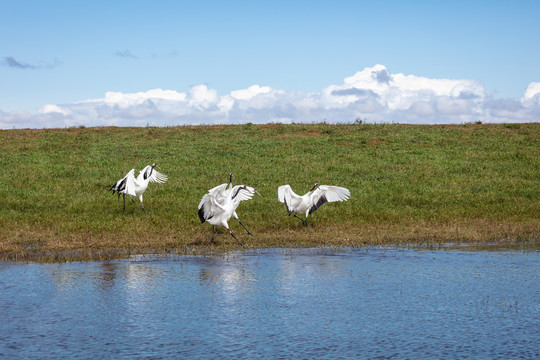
(142,205)
(245,227)
(230,232)
(213,231)
(302,220)
(124,201)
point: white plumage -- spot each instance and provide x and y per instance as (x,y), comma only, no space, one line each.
(219,204)
(314,199)
(136,186)
(221,192)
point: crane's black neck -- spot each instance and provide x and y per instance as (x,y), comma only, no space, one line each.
(238,190)
(148,174)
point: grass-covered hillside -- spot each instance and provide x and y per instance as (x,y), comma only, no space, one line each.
(409,184)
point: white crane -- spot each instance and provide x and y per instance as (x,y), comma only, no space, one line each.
(136,186)
(221,192)
(314,199)
(219,204)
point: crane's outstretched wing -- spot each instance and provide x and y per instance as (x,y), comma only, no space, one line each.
(130,183)
(242,192)
(327,193)
(286,195)
(119,186)
(208,207)
(158,177)
(219,192)
(126,185)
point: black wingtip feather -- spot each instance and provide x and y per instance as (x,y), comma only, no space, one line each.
(287,207)
(119,187)
(321,202)
(201,214)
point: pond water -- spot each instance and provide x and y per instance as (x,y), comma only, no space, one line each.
(278,304)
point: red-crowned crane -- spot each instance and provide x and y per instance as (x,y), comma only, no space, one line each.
(314,199)
(219,204)
(136,186)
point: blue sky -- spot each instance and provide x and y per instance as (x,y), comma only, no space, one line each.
(59,59)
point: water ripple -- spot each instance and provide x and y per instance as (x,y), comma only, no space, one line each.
(290,304)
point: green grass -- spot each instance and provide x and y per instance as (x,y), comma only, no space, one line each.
(409,184)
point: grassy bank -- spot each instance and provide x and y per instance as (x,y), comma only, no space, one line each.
(409,184)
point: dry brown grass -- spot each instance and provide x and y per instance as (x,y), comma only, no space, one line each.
(46,245)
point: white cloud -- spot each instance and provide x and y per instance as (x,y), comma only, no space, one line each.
(447,105)
(422,108)
(52,109)
(399,92)
(125,100)
(374,94)
(250,92)
(200,97)
(532,95)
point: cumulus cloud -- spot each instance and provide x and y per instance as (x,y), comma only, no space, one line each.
(53,109)
(374,94)
(531,98)
(382,75)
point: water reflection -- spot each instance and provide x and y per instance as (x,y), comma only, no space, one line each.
(276,304)
(106,276)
